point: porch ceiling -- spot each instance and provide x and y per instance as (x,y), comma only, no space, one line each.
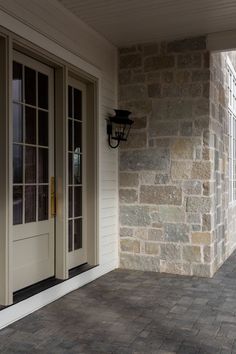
(125,22)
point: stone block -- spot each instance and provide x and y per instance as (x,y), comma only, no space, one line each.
(185,45)
(135,216)
(169,214)
(167,77)
(157,128)
(183,76)
(161,179)
(139,262)
(149,159)
(161,195)
(171,252)
(201,170)
(186,128)
(201,107)
(159,62)
(193,218)
(126,232)
(127,50)
(127,179)
(192,254)
(198,205)
(141,233)
(147,177)
(133,60)
(153,77)
(150,49)
(171,267)
(189,61)
(174,109)
(132,92)
(130,245)
(139,123)
(192,187)
(128,195)
(155,235)
(136,140)
(181,170)
(208,254)
(201,238)
(202,270)
(125,77)
(152,248)
(206,222)
(201,75)
(182,148)
(139,108)
(176,233)
(154,90)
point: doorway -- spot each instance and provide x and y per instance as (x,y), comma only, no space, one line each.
(33,171)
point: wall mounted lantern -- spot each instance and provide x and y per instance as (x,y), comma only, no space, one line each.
(118,127)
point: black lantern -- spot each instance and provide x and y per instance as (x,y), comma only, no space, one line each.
(118,127)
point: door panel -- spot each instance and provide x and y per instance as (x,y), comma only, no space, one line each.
(33,166)
(76,162)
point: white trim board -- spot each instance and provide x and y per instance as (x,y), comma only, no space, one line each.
(47,44)
(26,307)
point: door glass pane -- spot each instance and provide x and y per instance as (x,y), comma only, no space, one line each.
(43,165)
(70,202)
(77,104)
(77,201)
(30,125)
(70,135)
(17,205)
(77,137)
(17,164)
(70,102)
(77,169)
(30,86)
(78,234)
(30,204)
(70,163)
(43,128)
(43,203)
(17,82)
(17,123)
(70,235)
(30,164)
(42,91)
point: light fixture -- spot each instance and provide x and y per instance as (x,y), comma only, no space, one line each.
(118,127)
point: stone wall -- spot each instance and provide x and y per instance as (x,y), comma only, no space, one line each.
(223,212)
(166,167)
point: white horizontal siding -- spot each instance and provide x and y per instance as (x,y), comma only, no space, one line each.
(56,24)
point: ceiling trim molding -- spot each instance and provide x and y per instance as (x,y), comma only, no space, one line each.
(221,41)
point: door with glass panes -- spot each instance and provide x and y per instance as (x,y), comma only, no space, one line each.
(33,171)
(77,243)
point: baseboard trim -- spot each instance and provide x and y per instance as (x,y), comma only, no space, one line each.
(26,307)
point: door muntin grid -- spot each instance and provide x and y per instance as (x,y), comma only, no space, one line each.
(75,158)
(30,89)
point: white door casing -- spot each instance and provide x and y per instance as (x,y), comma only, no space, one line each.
(33,143)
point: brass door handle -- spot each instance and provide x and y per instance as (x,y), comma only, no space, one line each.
(52,197)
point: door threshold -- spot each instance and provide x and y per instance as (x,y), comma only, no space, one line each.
(46,284)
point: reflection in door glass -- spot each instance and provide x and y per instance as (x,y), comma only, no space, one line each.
(17,163)
(42,165)
(30,204)
(77,234)
(42,91)
(30,164)
(42,128)
(30,125)
(42,203)
(17,205)
(30,86)
(17,123)
(17,82)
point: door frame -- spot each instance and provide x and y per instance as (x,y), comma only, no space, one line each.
(91,76)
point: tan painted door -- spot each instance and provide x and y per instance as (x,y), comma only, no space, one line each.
(33,168)
(77,242)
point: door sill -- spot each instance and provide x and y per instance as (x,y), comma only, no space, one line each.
(46,284)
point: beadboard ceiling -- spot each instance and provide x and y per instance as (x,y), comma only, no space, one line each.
(124,22)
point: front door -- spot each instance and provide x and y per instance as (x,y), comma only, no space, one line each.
(33,171)
(77,242)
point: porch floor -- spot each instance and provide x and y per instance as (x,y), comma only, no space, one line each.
(135,312)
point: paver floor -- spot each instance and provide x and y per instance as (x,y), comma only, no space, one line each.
(128,312)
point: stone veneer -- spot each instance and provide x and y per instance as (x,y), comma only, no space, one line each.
(167,165)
